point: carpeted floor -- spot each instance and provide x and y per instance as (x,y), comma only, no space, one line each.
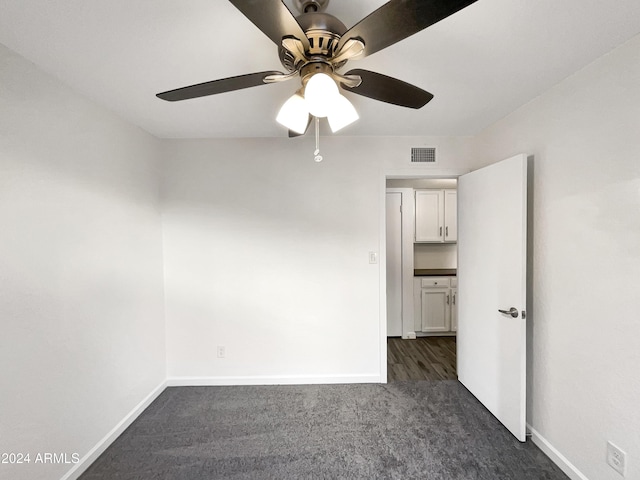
(402,430)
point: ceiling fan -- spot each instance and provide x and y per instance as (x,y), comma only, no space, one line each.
(314,46)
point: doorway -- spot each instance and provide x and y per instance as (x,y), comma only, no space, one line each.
(491,345)
(421,336)
(423,358)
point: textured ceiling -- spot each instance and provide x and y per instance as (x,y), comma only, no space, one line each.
(481,63)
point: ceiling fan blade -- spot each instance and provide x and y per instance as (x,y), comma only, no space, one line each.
(399,19)
(217,86)
(274,19)
(390,90)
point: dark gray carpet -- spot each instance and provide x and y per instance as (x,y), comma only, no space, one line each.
(403,430)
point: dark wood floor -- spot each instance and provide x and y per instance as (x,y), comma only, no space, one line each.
(425,358)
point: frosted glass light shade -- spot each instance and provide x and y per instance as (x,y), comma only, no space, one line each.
(343,113)
(320,93)
(294,114)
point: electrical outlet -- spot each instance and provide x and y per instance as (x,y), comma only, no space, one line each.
(616,458)
(222,351)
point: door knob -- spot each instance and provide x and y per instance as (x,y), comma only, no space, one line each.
(512,311)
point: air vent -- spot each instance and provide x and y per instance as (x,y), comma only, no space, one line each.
(423,155)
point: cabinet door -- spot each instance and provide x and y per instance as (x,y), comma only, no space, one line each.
(454,310)
(429,215)
(450,216)
(435,309)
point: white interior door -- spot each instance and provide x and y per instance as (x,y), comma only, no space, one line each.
(394,264)
(492,239)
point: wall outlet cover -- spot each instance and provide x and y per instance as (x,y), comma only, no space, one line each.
(616,458)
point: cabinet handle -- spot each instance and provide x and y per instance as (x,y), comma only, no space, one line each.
(446,231)
(454,298)
(440,231)
(447,299)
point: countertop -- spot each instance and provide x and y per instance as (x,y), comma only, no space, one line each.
(435,272)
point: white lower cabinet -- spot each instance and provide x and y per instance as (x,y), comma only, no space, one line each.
(434,304)
(435,309)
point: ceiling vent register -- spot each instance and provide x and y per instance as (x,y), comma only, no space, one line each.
(423,155)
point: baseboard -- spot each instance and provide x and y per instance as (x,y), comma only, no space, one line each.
(271,380)
(560,460)
(110,437)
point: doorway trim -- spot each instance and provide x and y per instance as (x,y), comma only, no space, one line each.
(407,214)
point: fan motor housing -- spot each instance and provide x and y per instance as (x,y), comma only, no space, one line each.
(304,6)
(323,32)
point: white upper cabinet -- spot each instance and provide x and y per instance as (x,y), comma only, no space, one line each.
(450,216)
(436,216)
(429,215)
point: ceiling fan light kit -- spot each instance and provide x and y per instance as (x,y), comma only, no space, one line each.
(314,46)
(321,98)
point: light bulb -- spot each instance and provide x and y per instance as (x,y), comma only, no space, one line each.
(342,113)
(294,114)
(320,93)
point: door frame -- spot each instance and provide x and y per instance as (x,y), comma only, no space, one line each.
(407,257)
(396,174)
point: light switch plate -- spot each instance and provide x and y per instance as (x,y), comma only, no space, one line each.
(373,257)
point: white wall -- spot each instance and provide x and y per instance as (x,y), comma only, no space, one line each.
(266,253)
(82,328)
(429,255)
(584,135)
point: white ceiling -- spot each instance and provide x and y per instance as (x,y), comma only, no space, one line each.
(481,63)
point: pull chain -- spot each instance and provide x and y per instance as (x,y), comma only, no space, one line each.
(317,157)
